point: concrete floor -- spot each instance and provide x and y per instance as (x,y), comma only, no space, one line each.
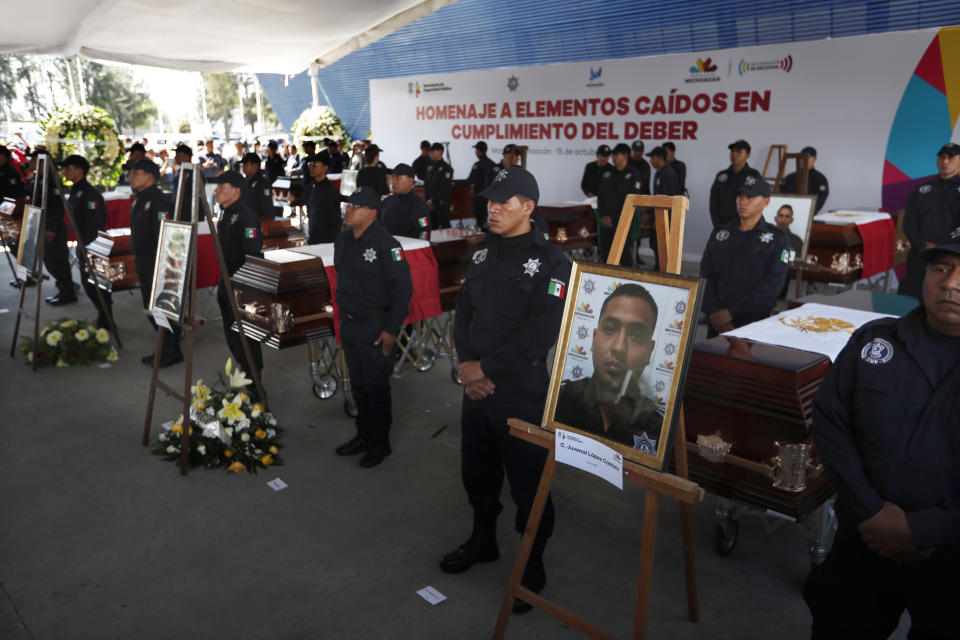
(101,539)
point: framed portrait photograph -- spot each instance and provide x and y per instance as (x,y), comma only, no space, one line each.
(172,268)
(29,237)
(622,357)
(348,184)
(793,215)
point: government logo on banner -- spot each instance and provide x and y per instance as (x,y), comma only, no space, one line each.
(703,71)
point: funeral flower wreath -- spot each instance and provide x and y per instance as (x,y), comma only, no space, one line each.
(65,343)
(226,429)
(88,131)
(317,122)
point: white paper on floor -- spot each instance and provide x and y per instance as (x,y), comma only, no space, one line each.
(431,595)
(104,365)
(277,484)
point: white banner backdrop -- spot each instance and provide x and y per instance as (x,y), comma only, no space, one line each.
(839,96)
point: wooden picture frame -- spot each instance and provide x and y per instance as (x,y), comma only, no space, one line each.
(172,269)
(628,357)
(803,211)
(29,238)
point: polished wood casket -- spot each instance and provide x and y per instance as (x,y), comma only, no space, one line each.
(279,233)
(748,410)
(284,298)
(113,263)
(573,227)
(453,249)
(11,217)
(835,254)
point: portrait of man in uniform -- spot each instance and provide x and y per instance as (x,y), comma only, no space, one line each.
(794,216)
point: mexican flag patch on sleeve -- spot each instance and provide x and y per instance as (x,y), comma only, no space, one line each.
(556,288)
(397,254)
(424,222)
(785,256)
(250,232)
(91,205)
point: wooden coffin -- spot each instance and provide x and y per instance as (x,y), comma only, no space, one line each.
(573,227)
(279,233)
(835,254)
(284,299)
(11,217)
(114,268)
(748,410)
(453,249)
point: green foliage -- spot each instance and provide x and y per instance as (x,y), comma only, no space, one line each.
(250,106)
(221,96)
(320,121)
(113,89)
(85,123)
(65,343)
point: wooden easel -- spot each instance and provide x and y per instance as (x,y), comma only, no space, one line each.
(191,322)
(669,213)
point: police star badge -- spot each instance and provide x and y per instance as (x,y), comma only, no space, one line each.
(531,267)
(644,444)
(479,255)
(750,181)
(766,237)
(877,351)
(722,235)
(502,175)
(924,188)
(721,177)
(370,254)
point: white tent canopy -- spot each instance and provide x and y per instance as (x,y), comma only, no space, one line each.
(206,35)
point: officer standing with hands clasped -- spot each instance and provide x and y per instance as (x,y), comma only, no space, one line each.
(594,171)
(56,256)
(323,206)
(507,319)
(239,232)
(404,213)
(745,263)
(257,192)
(723,193)
(438,187)
(885,424)
(622,180)
(373,294)
(481,173)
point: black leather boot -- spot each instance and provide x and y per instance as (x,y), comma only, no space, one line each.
(480,547)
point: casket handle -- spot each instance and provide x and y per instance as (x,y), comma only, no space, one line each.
(793,466)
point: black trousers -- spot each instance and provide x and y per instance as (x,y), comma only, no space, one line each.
(480,211)
(171,343)
(90,288)
(440,215)
(234,343)
(56,258)
(858,594)
(370,373)
(488,450)
(605,242)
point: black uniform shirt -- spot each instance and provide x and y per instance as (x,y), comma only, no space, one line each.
(745,270)
(439,183)
(274,166)
(53,220)
(886,428)
(374,177)
(681,168)
(723,194)
(323,212)
(481,174)
(239,232)
(666,182)
(420,165)
(257,195)
(509,311)
(614,188)
(336,163)
(405,214)
(579,406)
(816,185)
(932,215)
(643,169)
(592,174)
(88,209)
(373,273)
(150,207)
(11,184)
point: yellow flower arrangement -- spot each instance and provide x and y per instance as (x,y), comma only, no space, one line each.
(274,450)
(102,336)
(260,434)
(267,459)
(54,337)
(82,335)
(231,410)
(236,467)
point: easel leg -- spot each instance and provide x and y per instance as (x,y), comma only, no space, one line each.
(153,386)
(36,315)
(187,377)
(686,524)
(526,544)
(16,323)
(650,512)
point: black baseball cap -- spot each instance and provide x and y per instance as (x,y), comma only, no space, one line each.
(233,178)
(424,144)
(323,158)
(250,156)
(309,143)
(660,152)
(753,186)
(374,149)
(951,149)
(144,164)
(622,147)
(482,146)
(669,145)
(365,197)
(637,145)
(436,146)
(136,146)
(948,247)
(76,161)
(739,144)
(603,150)
(810,151)
(182,148)
(512,182)
(403,169)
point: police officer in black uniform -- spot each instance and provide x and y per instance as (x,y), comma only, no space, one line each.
(374,173)
(510,158)
(150,207)
(666,182)
(323,208)
(438,187)
(816,182)
(678,165)
(273,164)
(643,167)
(507,318)
(422,161)
(885,426)
(373,294)
(11,186)
(239,232)
(745,263)
(594,171)
(622,179)
(134,153)
(480,176)
(932,216)
(336,159)
(309,149)
(56,256)
(90,215)
(405,213)
(257,191)
(727,184)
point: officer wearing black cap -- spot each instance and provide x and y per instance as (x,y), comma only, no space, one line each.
(239,232)
(438,187)
(422,161)
(643,167)
(621,180)
(507,319)
(184,155)
(666,182)
(336,158)
(90,215)
(374,173)
(745,263)
(273,164)
(405,213)
(134,153)
(678,165)
(816,182)
(727,184)
(481,173)
(373,294)
(257,190)
(56,256)
(323,207)
(593,172)
(149,208)
(885,427)
(932,216)
(510,158)
(309,149)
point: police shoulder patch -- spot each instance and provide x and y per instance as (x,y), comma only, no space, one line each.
(924,188)
(479,255)
(877,351)
(722,235)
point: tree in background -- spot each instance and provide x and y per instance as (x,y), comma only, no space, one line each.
(113,89)
(221,96)
(270,120)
